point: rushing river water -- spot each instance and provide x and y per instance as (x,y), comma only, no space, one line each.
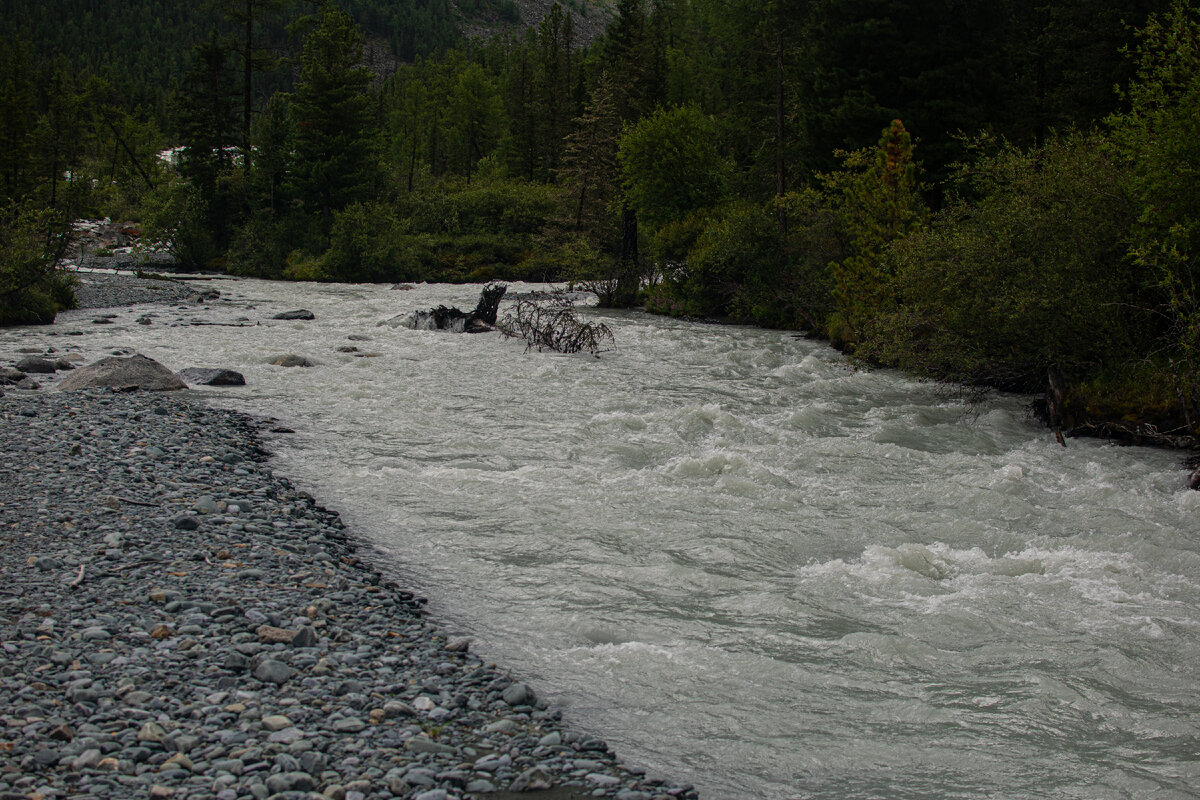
(740,561)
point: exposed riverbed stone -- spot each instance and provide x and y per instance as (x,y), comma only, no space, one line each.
(135,372)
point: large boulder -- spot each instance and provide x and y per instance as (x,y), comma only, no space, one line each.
(10,375)
(134,372)
(300,313)
(202,376)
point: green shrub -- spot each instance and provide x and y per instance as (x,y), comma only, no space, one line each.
(260,248)
(1157,141)
(364,245)
(738,253)
(498,207)
(1031,273)
(303,266)
(1143,392)
(176,214)
(32,289)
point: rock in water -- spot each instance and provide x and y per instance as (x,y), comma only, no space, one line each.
(300,313)
(135,372)
(203,376)
(34,364)
(292,361)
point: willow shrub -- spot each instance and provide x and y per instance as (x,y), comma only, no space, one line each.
(1029,272)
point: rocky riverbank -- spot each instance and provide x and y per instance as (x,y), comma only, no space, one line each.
(177,621)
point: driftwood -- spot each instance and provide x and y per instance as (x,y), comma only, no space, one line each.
(1056,394)
(549,323)
(489,303)
(1143,433)
(444,318)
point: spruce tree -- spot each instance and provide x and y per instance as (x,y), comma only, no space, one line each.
(206,116)
(245,14)
(332,109)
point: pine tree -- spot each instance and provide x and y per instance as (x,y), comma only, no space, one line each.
(476,110)
(17,120)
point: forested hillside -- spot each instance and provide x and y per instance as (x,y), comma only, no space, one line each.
(144,47)
(989,193)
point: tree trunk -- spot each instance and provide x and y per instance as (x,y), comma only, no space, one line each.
(628,274)
(247,84)
(412,161)
(780,186)
(1055,399)
(629,234)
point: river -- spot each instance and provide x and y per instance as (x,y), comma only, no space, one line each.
(736,558)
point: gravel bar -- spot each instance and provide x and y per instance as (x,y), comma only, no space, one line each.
(176,621)
(110,290)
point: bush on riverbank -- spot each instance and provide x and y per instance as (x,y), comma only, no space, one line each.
(1025,268)
(32,289)
(1079,255)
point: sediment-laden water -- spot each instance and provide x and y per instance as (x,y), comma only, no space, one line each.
(739,560)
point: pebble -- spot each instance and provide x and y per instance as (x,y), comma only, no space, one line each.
(276,722)
(150,649)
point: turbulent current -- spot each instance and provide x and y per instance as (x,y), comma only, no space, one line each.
(739,560)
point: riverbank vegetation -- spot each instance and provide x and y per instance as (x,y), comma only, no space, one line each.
(954,190)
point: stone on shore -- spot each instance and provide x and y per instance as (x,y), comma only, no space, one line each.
(135,372)
(519,694)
